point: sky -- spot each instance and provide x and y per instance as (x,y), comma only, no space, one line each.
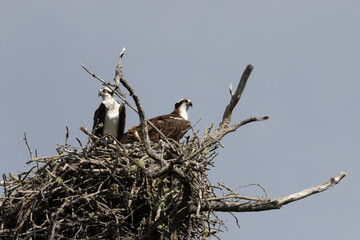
(306,58)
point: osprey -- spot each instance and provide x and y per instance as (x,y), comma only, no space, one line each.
(109,118)
(173,125)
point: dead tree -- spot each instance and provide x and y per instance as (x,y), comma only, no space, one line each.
(106,190)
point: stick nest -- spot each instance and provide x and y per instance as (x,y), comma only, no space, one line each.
(106,190)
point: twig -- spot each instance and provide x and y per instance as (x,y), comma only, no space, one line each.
(118,72)
(105,83)
(4,184)
(28,146)
(220,132)
(231,90)
(54,222)
(255,184)
(236,219)
(67,136)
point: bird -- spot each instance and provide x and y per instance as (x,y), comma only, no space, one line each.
(173,125)
(110,117)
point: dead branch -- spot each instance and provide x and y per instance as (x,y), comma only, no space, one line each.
(310,191)
(224,128)
(220,132)
(236,97)
(144,128)
(118,72)
(263,204)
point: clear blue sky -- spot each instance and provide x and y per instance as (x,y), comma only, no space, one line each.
(306,78)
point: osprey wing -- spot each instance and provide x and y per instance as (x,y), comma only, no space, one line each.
(99,118)
(172,126)
(122,120)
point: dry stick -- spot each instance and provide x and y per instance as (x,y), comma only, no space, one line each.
(67,136)
(236,97)
(220,132)
(53,223)
(119,79)
(5,189)
(28,146)
(231,206)
(310,191)
(118,72)
(233,194)
(224,128)
(141,113)
(254,184)
(109,86)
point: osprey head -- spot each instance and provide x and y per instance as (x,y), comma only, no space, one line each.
(105,92)
(182,107)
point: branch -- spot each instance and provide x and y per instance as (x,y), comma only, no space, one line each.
(224,127)
(236,97)
(118,72)
(220,132)
(144,128)
(310,191)
(105,83)
(277,203)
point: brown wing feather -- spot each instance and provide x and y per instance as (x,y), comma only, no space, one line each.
(99,117)
(122,120)
(170,127)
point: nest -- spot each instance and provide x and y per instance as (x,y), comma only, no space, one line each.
(106,190)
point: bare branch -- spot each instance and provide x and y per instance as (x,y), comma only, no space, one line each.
(118,72)
(94,75)
(67,136)
(231,90)
(241,206)
(144,128)
(3,183)
(310,191)
(28,146)
(109,86)
(236,97)
(220,132)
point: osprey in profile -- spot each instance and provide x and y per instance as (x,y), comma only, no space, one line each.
(173,125)
(109,118)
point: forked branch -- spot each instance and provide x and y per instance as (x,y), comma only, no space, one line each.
(236,97)
(224,127)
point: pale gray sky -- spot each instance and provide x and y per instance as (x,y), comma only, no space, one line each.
(306,58)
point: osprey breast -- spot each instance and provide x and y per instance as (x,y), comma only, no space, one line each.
(111,122)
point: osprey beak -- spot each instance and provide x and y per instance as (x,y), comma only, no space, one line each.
(189,104)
